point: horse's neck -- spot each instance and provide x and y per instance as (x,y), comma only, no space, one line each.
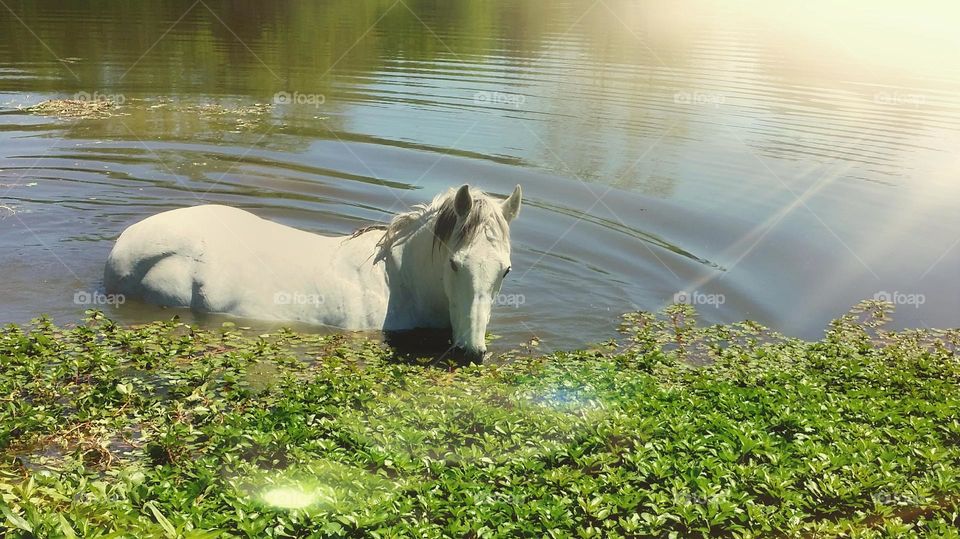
(417,275)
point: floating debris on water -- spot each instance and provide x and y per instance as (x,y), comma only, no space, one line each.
(12,185)
(246,116)
(73,108)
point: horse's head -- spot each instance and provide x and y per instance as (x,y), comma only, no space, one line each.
(472,232)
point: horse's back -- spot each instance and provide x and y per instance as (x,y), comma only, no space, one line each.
(159,258)
(219,259)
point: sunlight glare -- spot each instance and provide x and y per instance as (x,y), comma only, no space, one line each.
(291,497)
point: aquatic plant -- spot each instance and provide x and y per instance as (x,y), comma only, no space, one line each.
(677,430)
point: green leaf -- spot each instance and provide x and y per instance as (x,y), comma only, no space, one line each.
(16,520)
(162,520)
(65,528)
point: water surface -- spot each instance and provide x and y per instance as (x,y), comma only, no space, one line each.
(771,163)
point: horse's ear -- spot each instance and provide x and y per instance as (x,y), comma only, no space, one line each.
(463,202)
(511,206)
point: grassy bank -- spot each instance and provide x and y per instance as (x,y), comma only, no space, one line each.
(170,431)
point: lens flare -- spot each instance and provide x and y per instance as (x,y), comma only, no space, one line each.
(291,497)
(567,399)
(318,485)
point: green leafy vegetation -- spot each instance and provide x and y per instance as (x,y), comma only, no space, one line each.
(167,430)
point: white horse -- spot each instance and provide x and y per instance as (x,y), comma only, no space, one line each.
(438,266)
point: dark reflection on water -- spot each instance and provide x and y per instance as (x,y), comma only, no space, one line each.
(777,163)
(426,347)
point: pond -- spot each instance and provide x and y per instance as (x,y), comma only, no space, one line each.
(771,163)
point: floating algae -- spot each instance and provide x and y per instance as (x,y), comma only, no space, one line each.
(74,108)
(243,117)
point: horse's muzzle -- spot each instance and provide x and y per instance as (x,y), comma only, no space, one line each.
(469,355)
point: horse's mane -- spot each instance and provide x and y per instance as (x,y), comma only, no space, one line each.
(441,211)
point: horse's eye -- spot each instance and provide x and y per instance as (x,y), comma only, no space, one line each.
(453,266)
(507,271)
